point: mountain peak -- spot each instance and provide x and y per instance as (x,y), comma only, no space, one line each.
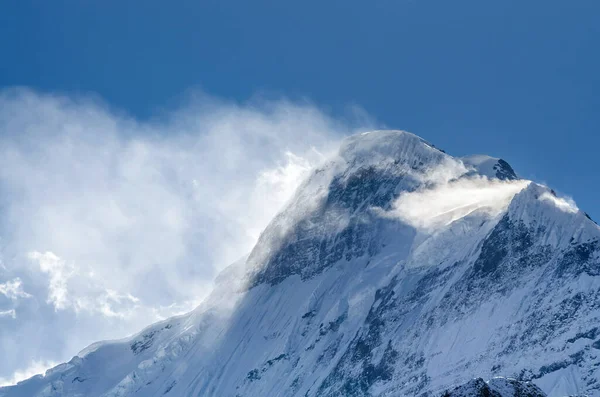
(382,147)
(337,212)
(332,216)
(491,167)
(556,220)
(380,141)
(379,148)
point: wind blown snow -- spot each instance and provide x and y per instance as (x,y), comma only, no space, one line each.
(109,223)
(563,203)
(432,207)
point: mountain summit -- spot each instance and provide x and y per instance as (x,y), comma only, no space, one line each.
(396,270)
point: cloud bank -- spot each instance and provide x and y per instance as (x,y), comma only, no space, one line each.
(109,223)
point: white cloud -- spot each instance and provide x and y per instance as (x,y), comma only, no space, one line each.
(8,313)
(59,273)
(65,291)
(442,204)
(36,367)
(13,289)
(111,223)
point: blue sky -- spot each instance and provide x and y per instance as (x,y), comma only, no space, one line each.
(516,79)
(513,79)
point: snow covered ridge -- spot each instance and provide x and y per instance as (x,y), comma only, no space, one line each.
(338,211)
(396,270)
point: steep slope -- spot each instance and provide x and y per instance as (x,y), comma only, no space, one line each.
(396,270)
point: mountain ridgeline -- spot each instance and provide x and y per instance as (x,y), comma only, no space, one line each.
(396,270)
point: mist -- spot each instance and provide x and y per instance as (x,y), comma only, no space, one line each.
(109,223)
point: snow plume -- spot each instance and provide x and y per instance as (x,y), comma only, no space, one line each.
(448,170)
(110,223)
(565,204)
(436,206)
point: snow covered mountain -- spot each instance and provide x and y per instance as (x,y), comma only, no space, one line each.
(396,270)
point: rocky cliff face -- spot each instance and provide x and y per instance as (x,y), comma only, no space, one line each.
(396,270)
(496,387)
